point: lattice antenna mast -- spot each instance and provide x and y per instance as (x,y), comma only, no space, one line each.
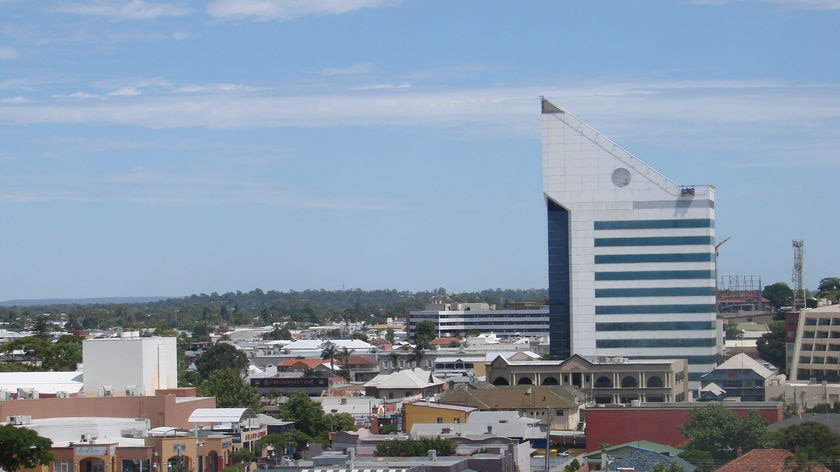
(798,274)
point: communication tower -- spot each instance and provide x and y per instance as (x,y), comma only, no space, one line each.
(798,274)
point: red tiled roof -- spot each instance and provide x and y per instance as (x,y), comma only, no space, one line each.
(300,363)
(443,341)
(766,460)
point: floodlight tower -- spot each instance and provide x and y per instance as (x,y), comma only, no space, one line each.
(798,274)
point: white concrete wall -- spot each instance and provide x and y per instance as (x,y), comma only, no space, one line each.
(122,362)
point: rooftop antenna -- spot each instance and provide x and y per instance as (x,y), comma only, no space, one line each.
(798,274)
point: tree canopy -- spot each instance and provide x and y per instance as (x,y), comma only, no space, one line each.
(810,442)
(829,288)
(771,345)
(22,448)
(779,294)
(230,390)
(718,433)
(424,332)
(221,356)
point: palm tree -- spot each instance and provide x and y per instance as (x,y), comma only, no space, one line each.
(344,353)
(330,352)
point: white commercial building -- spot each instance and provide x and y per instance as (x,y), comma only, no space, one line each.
(459,319)
(631,255)
(130,365)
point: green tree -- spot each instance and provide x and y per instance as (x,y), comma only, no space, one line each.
(65,355)
(22,448)
(809,441)
(572,466)
(424,333)
(42,327)
(307,415)
(389,335)
(241,456)
(733,332)
(278,333)
(779,294)
(344,355)
(415,447)
(672,467)
(330,353)
(829,288)
(221,356)
(720,433)
(230,390)
(771,346)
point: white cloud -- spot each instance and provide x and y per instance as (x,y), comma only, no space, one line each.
(356,69)
(808,4)
(7,53)
(126,92)
(17,99)
(122,10)
(668,109)
(282,10)
(382,86)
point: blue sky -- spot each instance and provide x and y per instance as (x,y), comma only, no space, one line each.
(170,148)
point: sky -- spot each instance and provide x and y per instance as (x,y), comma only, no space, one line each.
(152,148)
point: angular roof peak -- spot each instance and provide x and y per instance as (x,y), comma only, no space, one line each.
(548,107)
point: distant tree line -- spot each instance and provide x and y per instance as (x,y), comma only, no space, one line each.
(257,307)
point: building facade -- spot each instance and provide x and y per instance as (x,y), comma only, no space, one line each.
(130,365)
(814,352)
(631,255)
(608,380)
(460,319)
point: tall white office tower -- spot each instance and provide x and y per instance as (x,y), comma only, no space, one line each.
(631,255)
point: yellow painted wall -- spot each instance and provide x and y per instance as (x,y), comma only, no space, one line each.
(422,413)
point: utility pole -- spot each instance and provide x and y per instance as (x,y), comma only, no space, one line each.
(547,439)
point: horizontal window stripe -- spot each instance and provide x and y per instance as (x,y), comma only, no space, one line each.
(655,241)
(643,258)
(691,359)
(654,224)
(654,292)
(656,275)
(655,343)
(652,309)
(657,326)
(654,205)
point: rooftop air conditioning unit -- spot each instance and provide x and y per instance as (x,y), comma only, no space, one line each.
(106,391)
(18,420)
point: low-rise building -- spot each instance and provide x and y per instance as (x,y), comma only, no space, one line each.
(659,422)
(461,319)
(741,377)
(559,406)
(606,380)
(403,384)
(429,412)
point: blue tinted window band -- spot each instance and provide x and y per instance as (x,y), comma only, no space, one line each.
(654,224)
(643,258)
(691,359)
(655,241)
(654,343)
(654,292)
(656,275)
(657,326)
(652,309)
